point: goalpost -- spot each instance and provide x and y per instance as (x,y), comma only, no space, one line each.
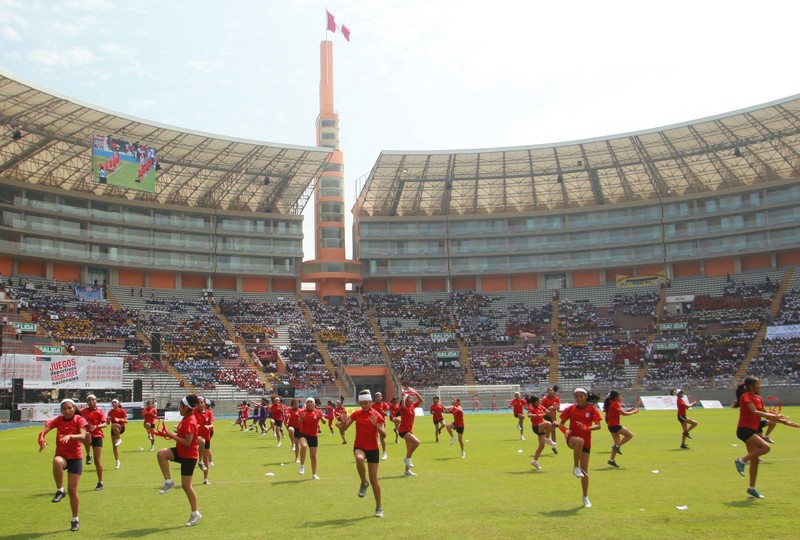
(502,393)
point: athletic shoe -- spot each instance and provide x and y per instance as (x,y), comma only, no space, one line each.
(294,447)
(99,486)
(168,485)
(297,460)
(452,440)
(362,490)
(117,467)
(535,465)
(615,447)
(279,444)
(519,427)
(463,455)
(587,503)
(409,473)
(88,459)
(684,447)
(753,492)
(152,447)
(344,441)
(522,437)
(768,439)
(613,463)
(407,461)
(75,525)
(202,466)
(739,466)
(194,517)
(686,434)
(264,434)
(315,477)
(119,442)
(578,472)
(210,463)
(554,448)
(206,482)
(302,469)
(384,456)
(379,512)
(59,496)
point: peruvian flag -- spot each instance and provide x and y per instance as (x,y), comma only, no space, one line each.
(334,27)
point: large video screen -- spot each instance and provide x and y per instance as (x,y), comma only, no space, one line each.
(122,163)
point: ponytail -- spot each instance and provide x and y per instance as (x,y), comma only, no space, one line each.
(609,398)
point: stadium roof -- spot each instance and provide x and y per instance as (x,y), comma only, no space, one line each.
(54,148)
(746,147)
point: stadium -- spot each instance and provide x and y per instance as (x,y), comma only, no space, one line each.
(640,261)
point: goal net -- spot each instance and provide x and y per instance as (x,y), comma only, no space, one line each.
(502,394)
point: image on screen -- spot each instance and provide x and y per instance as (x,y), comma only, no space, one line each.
(125,164)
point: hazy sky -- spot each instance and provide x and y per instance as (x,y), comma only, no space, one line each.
(417,74)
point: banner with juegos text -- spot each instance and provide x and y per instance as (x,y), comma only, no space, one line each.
(59,371)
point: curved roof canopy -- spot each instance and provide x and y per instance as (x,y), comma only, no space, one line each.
(759,144)
(47,140)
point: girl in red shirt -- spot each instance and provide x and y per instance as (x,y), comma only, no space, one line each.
(541,428)
(185,452)
(308,438)
(687,424)
(71,430)
(150,415)
(96,421)
(205,430)
(369,425)
(293,427)
(457,424)
(118,419)
(341,417)
(437,410)
(329,416)
(552,400)
(748,430)
(614,411)
(583,419)
(408,404)
(518,406)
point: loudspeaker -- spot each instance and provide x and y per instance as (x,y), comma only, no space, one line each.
(137,390)
(17,395)
(155,349)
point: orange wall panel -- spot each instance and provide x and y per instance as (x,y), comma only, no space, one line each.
(650,269)
(720,267)
(523,283)
(686,269)
(162,280)
(255,284)
(464,283)
(32,268)
(404,286)
(193,281)
(586,279)
(284,285)
(66,272)
(756,262)
(494,283)
(375,285)
(434,285)
(226,283)
(789,258)
(130,278)
(365,371)
(6,266)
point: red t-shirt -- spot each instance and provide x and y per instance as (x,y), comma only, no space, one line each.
(117,415)
(458,416)
(548,402)
(329,412)
(188,425)
(366,433)
(204,419)
(613,413)
(150,415)
(746,418)
(293,418)
(394,410)
(436,411)
(381,407)
(309,421)
(94,418)
(682,407)
(518,405)
(74,448)
(340,412)
(407,415)
(276,411)
(536,413)
(580,420)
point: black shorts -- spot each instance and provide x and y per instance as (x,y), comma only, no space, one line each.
(121,428)
(97,442)
(437,422)
(312,440)
(536,430)
(74,466)
(614,429)
(373,456)
(744,433)
(187,464)
(403,434)
(459,429)
(207,446)
(681,419)
(548,418)
(761,425)
(586,450)
(278,423)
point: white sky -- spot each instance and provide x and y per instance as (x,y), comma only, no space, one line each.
(417,75)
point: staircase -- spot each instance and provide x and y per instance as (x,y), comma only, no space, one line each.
(243,352)
(323,349)
(556,340)
(638,380)
(463,356)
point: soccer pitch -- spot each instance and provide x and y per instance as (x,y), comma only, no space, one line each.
(493,493)
(126,174)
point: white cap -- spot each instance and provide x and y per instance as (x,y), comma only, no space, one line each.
(678,391)
(580,390)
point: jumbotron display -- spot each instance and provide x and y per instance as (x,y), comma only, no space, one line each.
(125,164)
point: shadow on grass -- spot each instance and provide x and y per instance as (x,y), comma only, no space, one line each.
(28,536)
(136,533)
(566,513)
(340,522)
(749,502)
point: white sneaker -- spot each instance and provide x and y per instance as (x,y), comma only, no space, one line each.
(452,440)
(463,455)
(297,460)
(587,503)
(202,466)
(407,461)
(279,444)
(379,512)
(315,477)
(409,473)
(119,442)
(194,517)
(578,472)
(117,464)
(264,434)
(152,448)
(535,465)
(302,469)
(522,437)
(519,427)
(294,447)
(168,485)
(206,482)
(385,456)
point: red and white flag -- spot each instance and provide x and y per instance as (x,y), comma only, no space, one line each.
(335,27)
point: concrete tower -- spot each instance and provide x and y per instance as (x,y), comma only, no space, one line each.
(330,270)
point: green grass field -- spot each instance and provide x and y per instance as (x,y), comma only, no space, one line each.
(493,493)
(126,175)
